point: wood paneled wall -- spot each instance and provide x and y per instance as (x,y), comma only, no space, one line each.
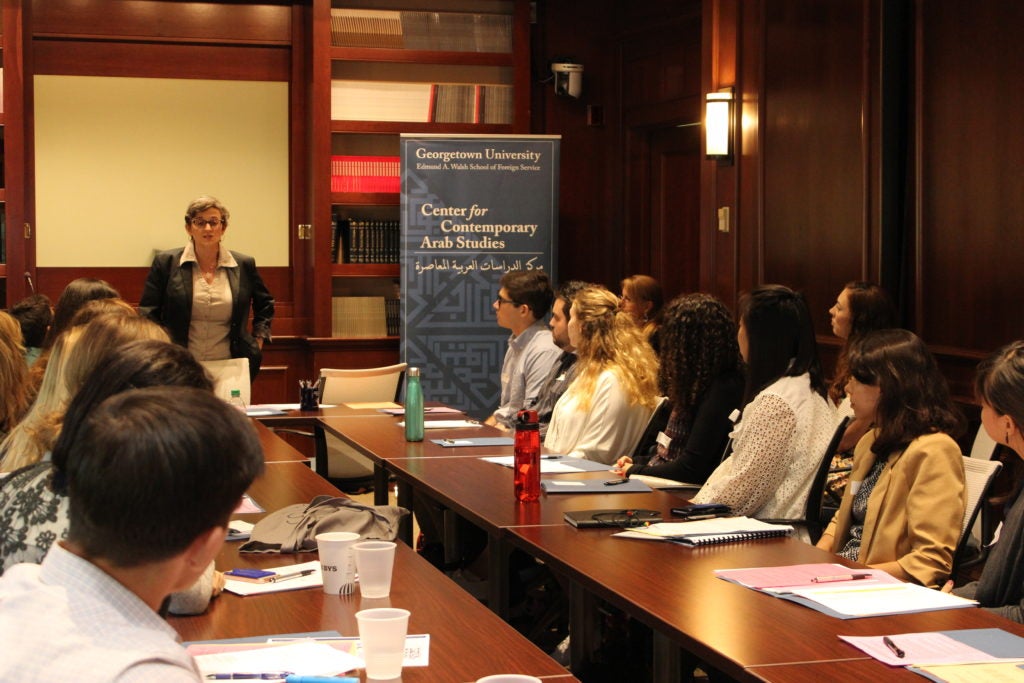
(878,139)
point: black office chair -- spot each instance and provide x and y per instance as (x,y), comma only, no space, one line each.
(656,424)
(813,520)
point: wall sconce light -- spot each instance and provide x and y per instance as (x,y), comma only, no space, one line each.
(718,124)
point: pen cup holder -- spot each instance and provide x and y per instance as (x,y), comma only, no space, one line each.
(308,399)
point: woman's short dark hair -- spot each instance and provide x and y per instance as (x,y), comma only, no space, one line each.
(204,202)
(870,308)
(152,469)
(780,338)
(698,345)
(914,396)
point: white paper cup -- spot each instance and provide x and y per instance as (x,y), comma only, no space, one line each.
(382,634)
(508,678)
(336,561)
(374,562)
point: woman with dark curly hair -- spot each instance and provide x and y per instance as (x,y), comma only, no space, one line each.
(905,503)
(701,372)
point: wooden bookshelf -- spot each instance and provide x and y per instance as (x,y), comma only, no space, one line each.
(381,47)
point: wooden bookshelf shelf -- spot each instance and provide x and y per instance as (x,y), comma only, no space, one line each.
(393,127)
(380,54)
(365,270)
(366,198)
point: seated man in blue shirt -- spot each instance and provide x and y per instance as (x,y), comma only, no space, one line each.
(523,301)
(153,475)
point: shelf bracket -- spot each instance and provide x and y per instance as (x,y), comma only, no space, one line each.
(305,231)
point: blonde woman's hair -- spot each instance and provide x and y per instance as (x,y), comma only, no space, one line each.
(610,340)
(14,384)
(75,354)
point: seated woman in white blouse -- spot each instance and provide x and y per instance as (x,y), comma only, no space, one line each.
(786,423)
(602,414)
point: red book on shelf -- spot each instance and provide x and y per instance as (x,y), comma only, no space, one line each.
(365,174)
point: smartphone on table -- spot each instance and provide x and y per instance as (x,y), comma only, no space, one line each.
(701,511)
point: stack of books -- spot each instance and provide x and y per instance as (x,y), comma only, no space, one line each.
(358,316)
(397,101)
(365,174)
(433,31)
(357,240)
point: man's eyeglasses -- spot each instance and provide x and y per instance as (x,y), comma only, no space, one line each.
(501,300)
(201,222)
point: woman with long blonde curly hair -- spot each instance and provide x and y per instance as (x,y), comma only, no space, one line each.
(604,411)
(14,384)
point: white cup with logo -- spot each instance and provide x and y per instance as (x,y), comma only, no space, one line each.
(337,562)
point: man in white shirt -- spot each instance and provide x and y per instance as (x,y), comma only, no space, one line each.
(153,476)
(523,301)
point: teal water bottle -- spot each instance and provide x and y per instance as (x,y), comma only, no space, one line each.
(413,406)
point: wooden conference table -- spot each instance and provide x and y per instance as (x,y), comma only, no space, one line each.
(745,634)
(467,641)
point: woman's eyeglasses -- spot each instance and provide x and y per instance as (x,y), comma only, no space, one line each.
(201,222)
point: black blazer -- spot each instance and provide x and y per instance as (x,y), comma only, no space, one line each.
(167,299)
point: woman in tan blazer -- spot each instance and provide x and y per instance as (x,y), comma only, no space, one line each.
(903,509)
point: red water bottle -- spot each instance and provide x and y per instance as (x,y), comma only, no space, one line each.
(527,456)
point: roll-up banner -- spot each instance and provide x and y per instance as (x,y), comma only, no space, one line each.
(474,207)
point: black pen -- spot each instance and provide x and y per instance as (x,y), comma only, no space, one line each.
(293,575)
(616,482)
(893,647)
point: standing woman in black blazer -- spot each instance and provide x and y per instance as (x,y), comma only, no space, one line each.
(202,293)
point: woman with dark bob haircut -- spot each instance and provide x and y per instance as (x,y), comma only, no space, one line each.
(702,374)
(786,423)
(904,506)
(999,386)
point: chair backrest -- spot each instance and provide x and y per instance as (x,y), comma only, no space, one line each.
(229,374)
(655,425)
(978,475)
(812,513)
(984,448)
(361,385)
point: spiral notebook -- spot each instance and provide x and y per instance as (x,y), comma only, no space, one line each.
(709,531)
